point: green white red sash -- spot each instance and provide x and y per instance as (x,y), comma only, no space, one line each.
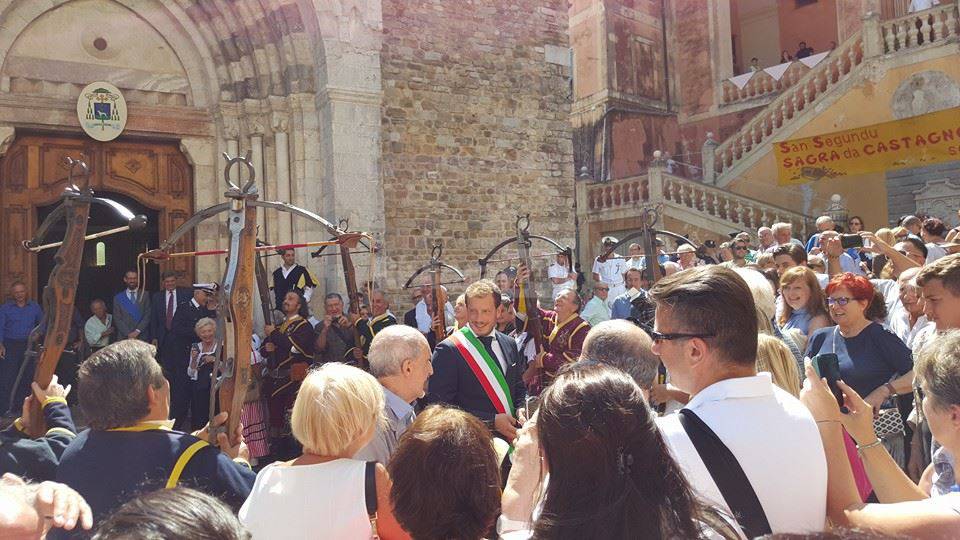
(486,369)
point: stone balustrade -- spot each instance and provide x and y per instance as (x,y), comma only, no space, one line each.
(762,84)
(791,102)
(923,28)
(728,211)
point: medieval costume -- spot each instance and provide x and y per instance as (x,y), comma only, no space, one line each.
(255,415)
(293,278)
(293,343)
(564,341)
(369,329)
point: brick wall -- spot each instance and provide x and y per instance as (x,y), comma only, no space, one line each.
(475,128)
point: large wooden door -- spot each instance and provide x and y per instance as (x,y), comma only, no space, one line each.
(33,175)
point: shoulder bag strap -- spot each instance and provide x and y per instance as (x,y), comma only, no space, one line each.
(370,495)
(727,474)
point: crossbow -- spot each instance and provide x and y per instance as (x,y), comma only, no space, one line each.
(524,241)
(59,295)
(438,297)
(649,217)
(232,369)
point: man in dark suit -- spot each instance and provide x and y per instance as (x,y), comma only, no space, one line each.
(182,335)
(163,306)
(477,368)
(131,310)
(410,317)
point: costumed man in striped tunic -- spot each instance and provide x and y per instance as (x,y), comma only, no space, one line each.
(292,277)
(288,350)
(478,368)
(565,332)
(382,318)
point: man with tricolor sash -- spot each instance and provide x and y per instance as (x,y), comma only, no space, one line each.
(477,368)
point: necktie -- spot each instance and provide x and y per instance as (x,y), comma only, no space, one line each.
(130,296)
(169,321)
(488,345)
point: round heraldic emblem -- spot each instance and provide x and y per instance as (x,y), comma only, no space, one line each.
(102,111)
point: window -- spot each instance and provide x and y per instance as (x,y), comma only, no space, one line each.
(801,3)
(101,254)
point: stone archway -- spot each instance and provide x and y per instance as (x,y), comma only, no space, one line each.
(295,82)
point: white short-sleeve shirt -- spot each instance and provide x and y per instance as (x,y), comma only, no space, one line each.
(611,271)
(559,271)
(775,440)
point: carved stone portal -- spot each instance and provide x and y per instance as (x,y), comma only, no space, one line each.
(940,198)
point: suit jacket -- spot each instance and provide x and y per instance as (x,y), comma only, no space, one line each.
(126,322)
(158,312)
(454,383)
(410,318)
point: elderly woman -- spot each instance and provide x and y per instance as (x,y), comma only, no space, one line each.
(804,304)
(200,370)
(905,508)
(335,414)
(435,495)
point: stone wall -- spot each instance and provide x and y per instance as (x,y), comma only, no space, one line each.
(475,129)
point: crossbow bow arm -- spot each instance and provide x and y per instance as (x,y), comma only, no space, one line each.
(435,262)
(59,294)
(166,246)
(648,219)
(561,250)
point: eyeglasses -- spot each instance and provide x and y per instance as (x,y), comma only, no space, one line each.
(840,301)
(657,337)
(740,248)
(601,288)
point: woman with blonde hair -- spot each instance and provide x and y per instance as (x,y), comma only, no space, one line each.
(774,357)
(336,413)
(804,304)
(879,262)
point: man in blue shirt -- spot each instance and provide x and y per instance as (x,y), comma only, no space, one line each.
(18,317)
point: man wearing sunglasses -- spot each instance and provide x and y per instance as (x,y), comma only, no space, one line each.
(740,250)
(706,335)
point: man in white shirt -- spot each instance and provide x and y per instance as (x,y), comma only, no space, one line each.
(400,359)
(610,271)
(706,336)
(597,310)
(424,320)
(783,234)
(561,275)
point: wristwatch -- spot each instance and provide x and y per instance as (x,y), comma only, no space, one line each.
(893,392)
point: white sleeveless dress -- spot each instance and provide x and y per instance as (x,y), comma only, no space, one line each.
(325,500)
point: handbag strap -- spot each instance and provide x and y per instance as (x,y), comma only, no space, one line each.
(370,495)
(727,474)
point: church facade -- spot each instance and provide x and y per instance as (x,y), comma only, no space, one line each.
(412,121)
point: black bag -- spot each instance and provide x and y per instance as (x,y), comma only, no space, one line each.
(370,496)
(727,474)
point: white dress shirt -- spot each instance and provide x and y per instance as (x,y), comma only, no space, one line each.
(423,318)
(775,440)
(559,271)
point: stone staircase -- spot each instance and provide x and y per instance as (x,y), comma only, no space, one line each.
(701,205)
(821,85)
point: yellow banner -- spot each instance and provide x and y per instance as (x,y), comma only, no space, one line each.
(911,142)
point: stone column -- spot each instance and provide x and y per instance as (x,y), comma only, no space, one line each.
(872,36)
(708,159)
(284,230)
(256,155)
(655,177)
(208,188)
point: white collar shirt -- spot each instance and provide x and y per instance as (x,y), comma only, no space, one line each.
(775,440)
(495,345)
(424,321)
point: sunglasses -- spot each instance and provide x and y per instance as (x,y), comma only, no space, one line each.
(658,337)
(840,301)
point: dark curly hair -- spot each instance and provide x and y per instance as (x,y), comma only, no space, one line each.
(446,479)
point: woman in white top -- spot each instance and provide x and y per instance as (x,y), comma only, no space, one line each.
(321,493)
(905,508)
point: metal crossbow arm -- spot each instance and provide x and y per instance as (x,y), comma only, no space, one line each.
(648,220)
(59,294)
(523,226)
(434,265)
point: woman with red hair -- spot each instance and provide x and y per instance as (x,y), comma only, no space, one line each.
(873,361)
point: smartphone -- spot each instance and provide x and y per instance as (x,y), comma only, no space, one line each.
(827,366)
(851,241)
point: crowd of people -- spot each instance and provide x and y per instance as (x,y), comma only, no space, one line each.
(764,386)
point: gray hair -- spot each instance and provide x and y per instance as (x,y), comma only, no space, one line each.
(938,369)
(576,297)
(112,384)
(623,345)
(824,219)
(391,346)
(781,226)
(205,321)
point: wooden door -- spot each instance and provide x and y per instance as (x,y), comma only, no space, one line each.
(33,175)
